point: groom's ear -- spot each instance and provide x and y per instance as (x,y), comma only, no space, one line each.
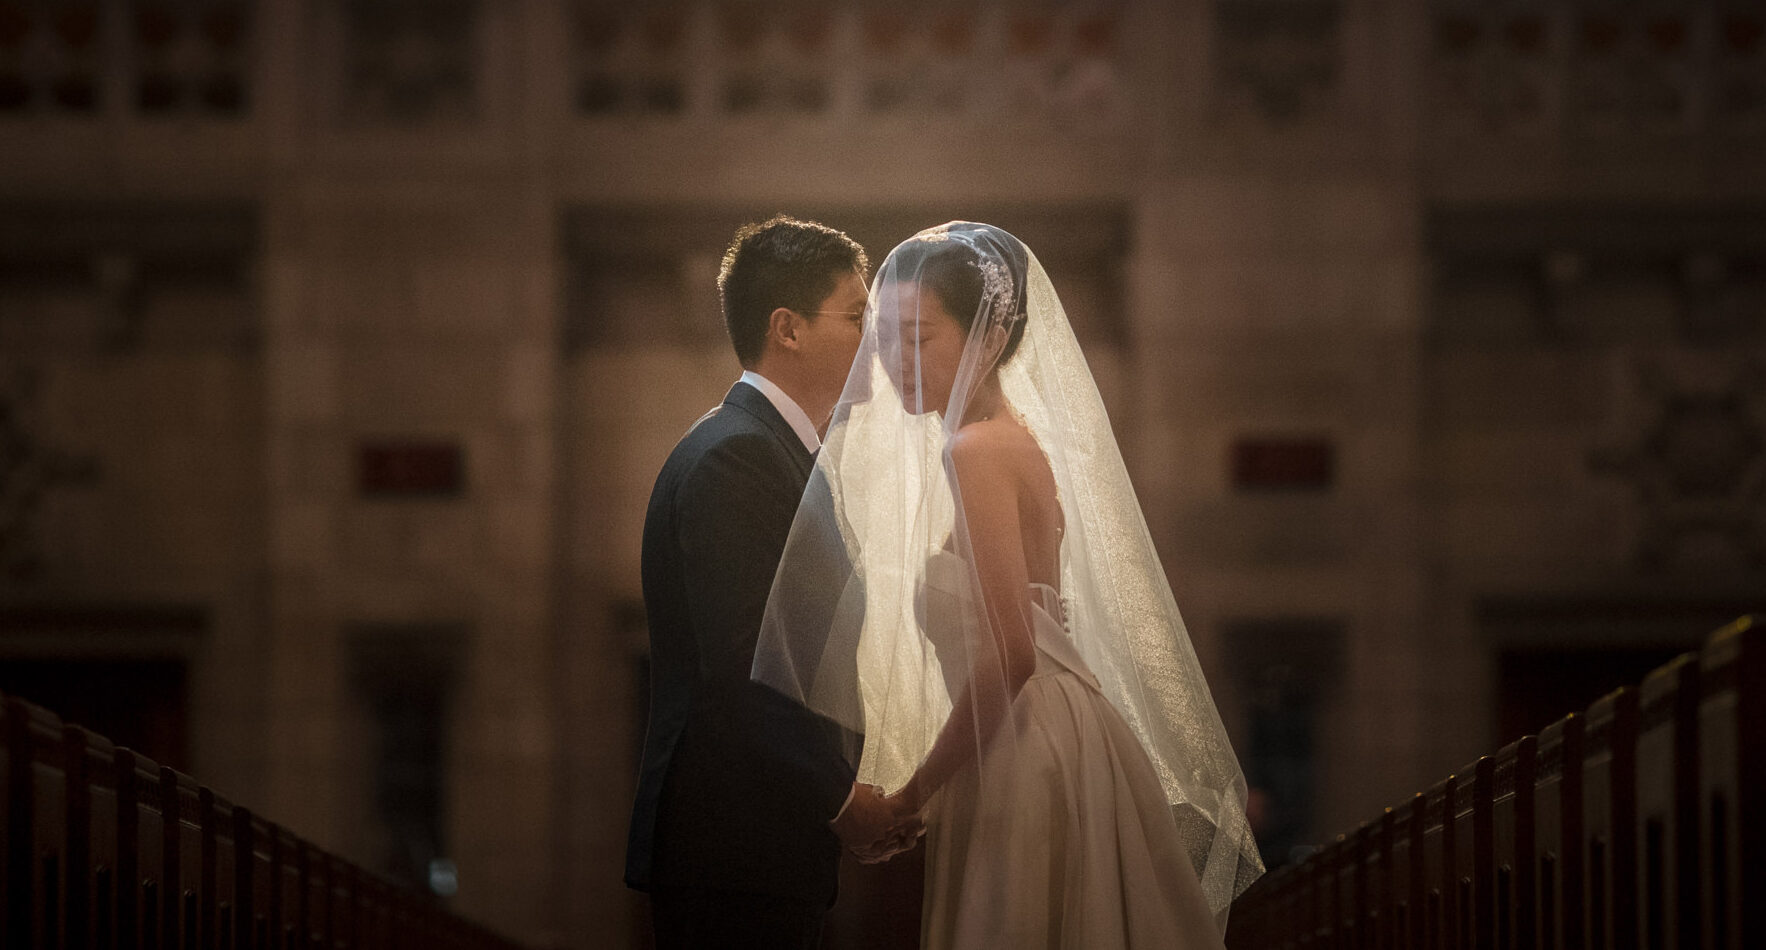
(783,326)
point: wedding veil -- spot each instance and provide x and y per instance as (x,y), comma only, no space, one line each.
(853,627)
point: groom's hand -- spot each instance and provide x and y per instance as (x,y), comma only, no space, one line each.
(872,828)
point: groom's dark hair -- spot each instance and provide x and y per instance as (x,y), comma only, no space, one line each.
(780,262)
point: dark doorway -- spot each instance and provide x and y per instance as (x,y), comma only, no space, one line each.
(406,677)
(1289,672)
(138,703)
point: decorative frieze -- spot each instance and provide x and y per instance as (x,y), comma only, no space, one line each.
(1278,60)
(29,469)
(409,61)
(116,262)
(1596,68)
(629,60)
(987,63)
(165,57)
(1695,456)
(192,56)
(1578,275)
(51,57)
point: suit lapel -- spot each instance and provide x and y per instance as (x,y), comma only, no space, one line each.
(752,401)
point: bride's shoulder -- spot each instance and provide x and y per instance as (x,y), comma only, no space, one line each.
(991,444)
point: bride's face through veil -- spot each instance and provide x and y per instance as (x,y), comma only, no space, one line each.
(922,345)
(948,315)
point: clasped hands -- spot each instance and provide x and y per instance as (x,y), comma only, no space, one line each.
(876,827)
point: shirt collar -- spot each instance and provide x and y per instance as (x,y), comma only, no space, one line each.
(788,408)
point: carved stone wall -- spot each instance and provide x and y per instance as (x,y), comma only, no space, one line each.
(131,479)
(1592,427)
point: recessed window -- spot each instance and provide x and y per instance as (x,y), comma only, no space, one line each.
(1294,464)
(410,469)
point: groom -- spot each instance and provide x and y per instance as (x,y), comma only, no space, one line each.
(744,798)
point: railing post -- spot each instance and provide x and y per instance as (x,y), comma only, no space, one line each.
(205,902)
(171,882)
(244,862)
(1571,847)
(1387,905)
(1483,854)
(1687,866)
(1525,899)
(20,825)
(1418,869)
(77,851)
(1447,925)
(1361,855)
(1750,810)
(128,849)
(1732,737)
(1622,778)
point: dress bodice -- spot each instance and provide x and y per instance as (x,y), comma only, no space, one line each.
(945,611)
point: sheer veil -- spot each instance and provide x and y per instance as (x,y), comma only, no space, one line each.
(860,626)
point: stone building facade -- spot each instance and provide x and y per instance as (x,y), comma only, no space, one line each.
(340,341)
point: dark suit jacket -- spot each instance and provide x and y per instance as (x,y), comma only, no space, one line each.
(738,783)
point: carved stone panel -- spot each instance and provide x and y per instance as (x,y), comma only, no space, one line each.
(991,63)
(630,60)
(1594,68)
(85,277)
(165,57)
(1738,94)
(51,57)
(30,467)
(1277,60)
(1580,275)
(409,61)
(1695,456)
(192,57)
(1493,68)
(1631,68)
(1623,361)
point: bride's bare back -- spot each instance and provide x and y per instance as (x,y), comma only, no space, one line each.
(1003,448)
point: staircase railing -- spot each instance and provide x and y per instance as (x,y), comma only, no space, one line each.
(105,849)
(1639,824)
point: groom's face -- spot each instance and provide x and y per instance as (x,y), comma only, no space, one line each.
(831,337)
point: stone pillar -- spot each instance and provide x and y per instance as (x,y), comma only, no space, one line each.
(411,296)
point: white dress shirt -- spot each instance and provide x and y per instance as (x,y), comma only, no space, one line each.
(788,407)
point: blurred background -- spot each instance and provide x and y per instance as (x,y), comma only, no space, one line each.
(341,340)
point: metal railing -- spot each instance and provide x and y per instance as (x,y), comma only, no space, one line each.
(105,849)
(1639,824)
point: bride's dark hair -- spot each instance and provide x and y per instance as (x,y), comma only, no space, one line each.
(952,268)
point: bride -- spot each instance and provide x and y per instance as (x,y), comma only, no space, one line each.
(970,585)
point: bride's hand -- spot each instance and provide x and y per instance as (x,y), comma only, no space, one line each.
(908,799)
(905,829)
(906,804)
(898,806)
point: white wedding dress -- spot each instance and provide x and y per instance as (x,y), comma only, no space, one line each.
(1060,836)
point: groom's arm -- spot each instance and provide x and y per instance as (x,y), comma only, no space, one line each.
(734,514)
